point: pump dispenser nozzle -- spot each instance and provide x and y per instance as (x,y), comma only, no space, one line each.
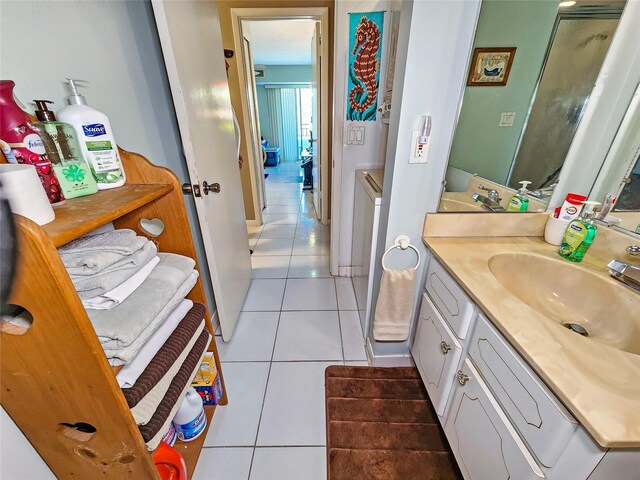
(523,189)
(75,98)
(42,111)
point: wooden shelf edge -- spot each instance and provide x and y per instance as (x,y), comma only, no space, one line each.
(79,216)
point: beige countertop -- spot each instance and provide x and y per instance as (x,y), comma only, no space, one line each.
(599,384)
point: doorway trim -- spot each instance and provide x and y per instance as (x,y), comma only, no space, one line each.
(320,14)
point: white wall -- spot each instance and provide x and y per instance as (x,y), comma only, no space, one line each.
(114,46)
(18,459)
(432,33)
(348,158)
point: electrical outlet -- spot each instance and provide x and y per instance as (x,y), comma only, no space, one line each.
(419,151)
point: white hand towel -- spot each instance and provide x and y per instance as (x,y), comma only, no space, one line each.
(115,297)
(131,371)
(395,305)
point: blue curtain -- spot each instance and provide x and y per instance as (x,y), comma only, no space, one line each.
(283,104)
(289,102)
(275,138)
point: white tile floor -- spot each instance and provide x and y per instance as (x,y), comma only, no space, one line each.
(296,321)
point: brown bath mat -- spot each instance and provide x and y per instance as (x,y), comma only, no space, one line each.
(381,425)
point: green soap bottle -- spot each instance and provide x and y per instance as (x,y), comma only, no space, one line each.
(62,147)
(519,202)
(579,234)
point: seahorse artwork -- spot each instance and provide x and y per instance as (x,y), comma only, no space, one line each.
(364,65)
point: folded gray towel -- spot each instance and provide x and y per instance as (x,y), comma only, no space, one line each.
(93,253)
(137,317)
(123,355)
(111,277)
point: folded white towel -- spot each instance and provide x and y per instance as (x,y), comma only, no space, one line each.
(395,305)
(132,370)
(115,297)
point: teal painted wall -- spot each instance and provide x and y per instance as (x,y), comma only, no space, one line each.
(277,74)
(479,145)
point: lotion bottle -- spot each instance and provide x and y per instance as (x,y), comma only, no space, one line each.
(62,147)
(94,132)
(519,202)
(579,234)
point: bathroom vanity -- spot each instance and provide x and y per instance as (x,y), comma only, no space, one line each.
(519,395)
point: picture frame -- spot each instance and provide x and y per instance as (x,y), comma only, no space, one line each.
(490,67)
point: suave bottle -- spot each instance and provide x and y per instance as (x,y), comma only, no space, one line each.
(96,139)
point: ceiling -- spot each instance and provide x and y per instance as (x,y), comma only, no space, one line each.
(280,42)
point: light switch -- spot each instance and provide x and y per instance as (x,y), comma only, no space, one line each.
(507,119)
(355,135)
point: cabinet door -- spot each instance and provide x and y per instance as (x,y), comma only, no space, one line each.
(542,421)
(485,444)
(454,305)
(436,352)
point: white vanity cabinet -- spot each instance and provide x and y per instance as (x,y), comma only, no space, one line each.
(485,444)
(501,420)
(437,352)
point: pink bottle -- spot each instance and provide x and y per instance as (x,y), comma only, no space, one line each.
(16,129)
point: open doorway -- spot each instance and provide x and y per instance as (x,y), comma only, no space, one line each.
(283,74)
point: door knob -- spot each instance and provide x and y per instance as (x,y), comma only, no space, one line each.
(187,188)
(214,187)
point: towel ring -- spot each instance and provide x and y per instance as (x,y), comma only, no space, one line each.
(402,242)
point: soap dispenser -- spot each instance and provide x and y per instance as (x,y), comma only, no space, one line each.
(96,139)
(579,234)
(64,152)
(519,202)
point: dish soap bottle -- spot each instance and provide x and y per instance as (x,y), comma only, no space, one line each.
(22,138)
(96,139)
(519,202)
(64,151)
(579,234)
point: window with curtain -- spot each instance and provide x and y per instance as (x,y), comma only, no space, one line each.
(289,119)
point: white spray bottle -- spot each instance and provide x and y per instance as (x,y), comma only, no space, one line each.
(96,139)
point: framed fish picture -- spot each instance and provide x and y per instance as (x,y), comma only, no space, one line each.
(490,67)
(365,52)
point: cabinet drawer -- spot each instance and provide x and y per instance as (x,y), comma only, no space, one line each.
(485,444)
(454,305)
(436,352)
(543,422)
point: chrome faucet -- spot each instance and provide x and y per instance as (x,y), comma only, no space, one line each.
(493,193)
(626,273)
(487,203)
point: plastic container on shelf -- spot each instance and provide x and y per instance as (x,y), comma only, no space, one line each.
(190,420)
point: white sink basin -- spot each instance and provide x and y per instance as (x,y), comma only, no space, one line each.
(593,306)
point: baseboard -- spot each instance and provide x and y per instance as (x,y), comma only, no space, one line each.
(253,223)
(215,323)
(387,360)
(345,271)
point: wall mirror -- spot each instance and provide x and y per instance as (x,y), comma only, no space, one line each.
(533,67)
(619,177)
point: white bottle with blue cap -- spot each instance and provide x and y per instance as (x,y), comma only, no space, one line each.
(96,139)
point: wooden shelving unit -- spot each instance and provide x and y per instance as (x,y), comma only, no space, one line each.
(55,372)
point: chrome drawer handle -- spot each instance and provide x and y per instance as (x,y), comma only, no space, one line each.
(444,347)
(462,378)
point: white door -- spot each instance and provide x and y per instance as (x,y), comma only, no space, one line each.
(258,164)
(192,46)
(316,88)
